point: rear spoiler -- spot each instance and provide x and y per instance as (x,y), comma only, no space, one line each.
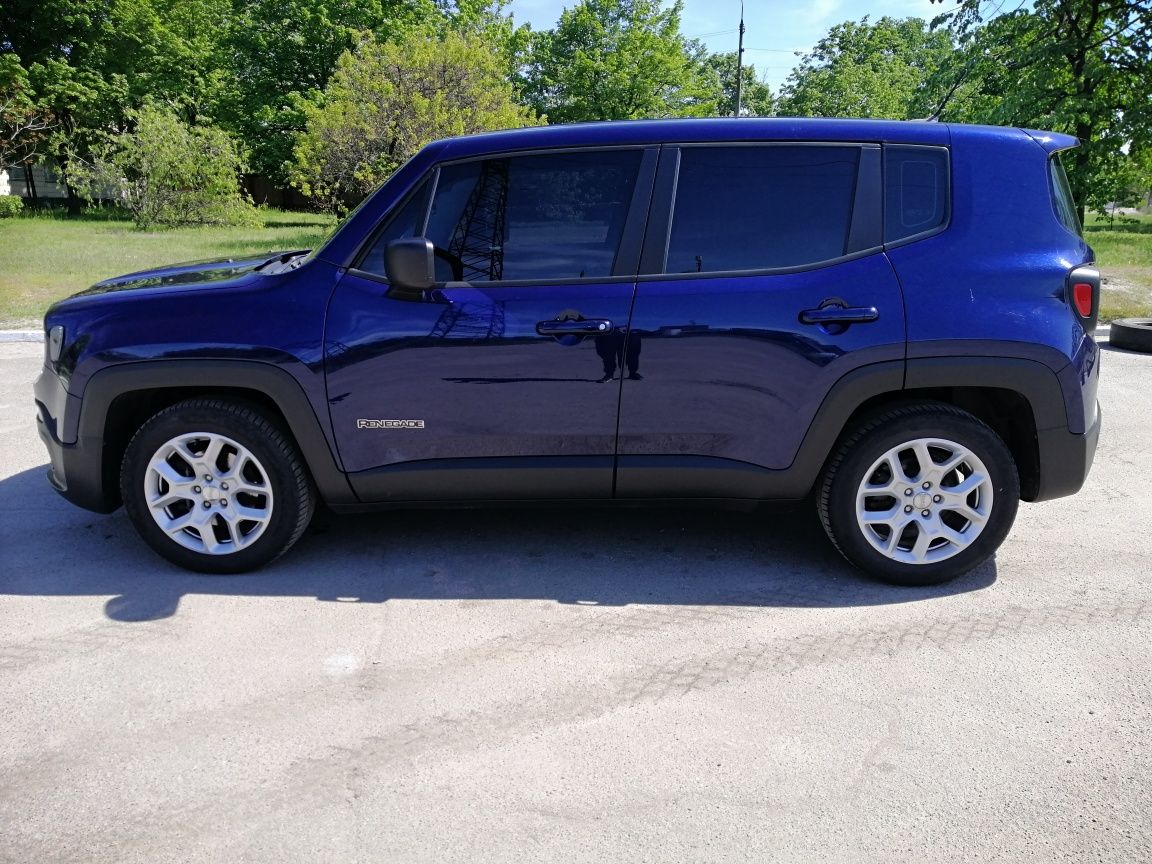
(1053,142)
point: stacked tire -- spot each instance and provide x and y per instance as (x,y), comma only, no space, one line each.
(1131,334)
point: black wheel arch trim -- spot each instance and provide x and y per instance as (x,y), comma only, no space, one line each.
(1032,379)
(277,384)
(1003,364)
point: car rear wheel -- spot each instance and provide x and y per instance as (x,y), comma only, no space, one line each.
(918,494)
(215,487)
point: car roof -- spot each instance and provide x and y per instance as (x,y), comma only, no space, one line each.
(633,132)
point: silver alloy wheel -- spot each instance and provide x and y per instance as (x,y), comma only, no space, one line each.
(208,493)
(924,501)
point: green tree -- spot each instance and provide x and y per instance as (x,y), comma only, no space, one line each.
(89,61)
(251,66)
(282,53)
(1083,67)
(167,172)
(23,124)
(386,100)
(755,96)
(863,69)
(618,60)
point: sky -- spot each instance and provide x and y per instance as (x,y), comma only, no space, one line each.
(774,29)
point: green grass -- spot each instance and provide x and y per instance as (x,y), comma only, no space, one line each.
(1124,251)
(44,257)
(47,256)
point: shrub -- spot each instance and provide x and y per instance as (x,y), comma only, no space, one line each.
(10,205)
(167,173)
(386,100)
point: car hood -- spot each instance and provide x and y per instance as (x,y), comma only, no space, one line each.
(208,274)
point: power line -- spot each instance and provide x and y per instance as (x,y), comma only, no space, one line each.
(713,33)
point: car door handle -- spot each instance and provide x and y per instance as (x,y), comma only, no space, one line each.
(578,327)
(839,315)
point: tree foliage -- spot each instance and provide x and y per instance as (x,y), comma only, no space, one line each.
(23,124)
(265,72)
(250,66)
(618,60)
(1083,67)
(89,62)
(863,69)
(282,54)
(386,100)
(755,97)
(167,172)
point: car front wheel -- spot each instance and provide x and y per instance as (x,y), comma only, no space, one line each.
(919,494)
(215,487)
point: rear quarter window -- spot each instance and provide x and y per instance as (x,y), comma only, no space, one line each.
(915,191)
(1062,200)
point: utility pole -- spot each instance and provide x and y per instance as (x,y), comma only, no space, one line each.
(740,59)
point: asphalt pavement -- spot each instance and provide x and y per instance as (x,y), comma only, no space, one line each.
(582,686)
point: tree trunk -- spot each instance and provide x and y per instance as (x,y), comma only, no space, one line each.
(75,202)
(30,185)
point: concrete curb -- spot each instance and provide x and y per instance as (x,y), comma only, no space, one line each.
(21,336)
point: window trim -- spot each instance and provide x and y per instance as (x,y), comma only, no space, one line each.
(948,196)
(631,236)
(865,196)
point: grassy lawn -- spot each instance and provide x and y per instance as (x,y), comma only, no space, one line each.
(1124,251)
(46,257)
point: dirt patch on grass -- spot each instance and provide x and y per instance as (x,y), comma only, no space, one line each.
(1125,292)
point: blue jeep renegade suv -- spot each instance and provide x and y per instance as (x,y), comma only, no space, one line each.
(893,319)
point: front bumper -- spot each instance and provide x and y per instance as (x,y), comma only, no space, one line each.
(77,468)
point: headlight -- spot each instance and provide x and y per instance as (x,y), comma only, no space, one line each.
(55,343)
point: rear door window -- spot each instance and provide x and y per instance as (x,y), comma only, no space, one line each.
(761,207)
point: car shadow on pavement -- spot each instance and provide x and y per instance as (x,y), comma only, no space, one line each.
(1112,349)
(604,556)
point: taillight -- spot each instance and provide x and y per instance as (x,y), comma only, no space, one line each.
(1083,294)
(1082,299)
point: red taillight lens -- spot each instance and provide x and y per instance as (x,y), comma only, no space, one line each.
(1082,299)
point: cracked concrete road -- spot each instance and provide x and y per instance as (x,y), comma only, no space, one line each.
(576,686)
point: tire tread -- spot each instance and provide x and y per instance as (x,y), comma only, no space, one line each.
(884,417)
(300,481)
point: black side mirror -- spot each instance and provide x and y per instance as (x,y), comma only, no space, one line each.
(411,264)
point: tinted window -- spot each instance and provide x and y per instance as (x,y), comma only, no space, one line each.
(1062,198)
(915,190)
(754,208)
(556,216)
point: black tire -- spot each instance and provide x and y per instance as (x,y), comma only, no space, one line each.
(273,466)
(859,452)
(1131,334)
